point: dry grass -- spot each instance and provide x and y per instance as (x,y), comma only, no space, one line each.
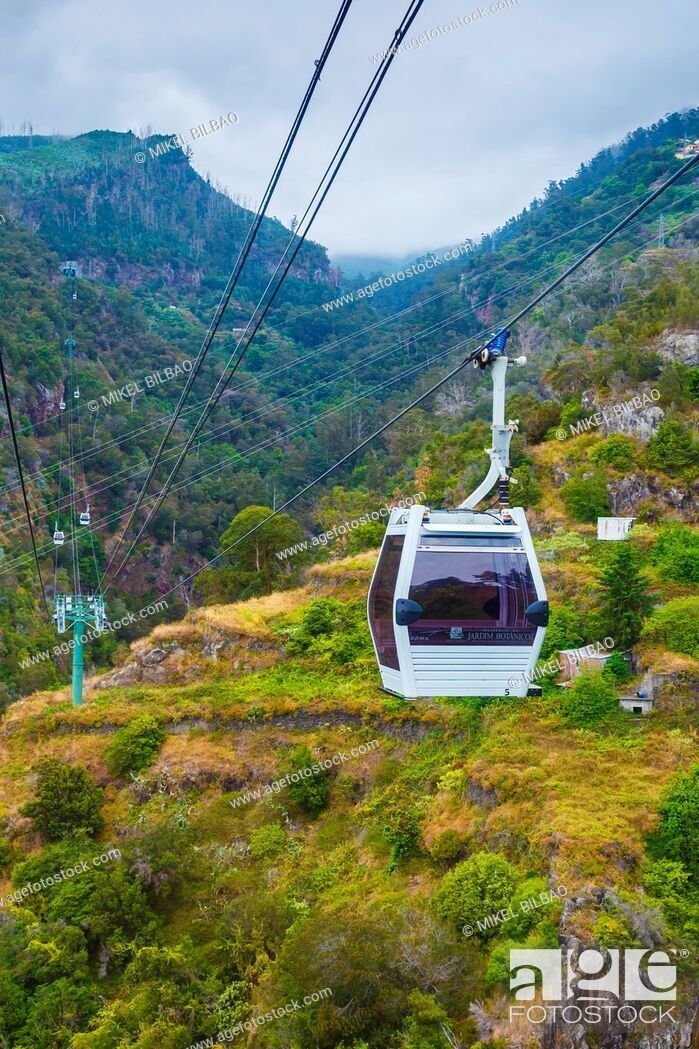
(251,617)
(185,632)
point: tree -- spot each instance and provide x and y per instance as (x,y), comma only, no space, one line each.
(310,784)
(66,800)
(624,596)
(135,746)
(585,498)
(675,625)
(617,451)
(673,447)
(259,563)
(677,836)
(676,553)
(591,701)
(480,886)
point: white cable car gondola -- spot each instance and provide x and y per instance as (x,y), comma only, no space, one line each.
(85,516)
(457,604)
(58,536)
(61,405)
(76,392)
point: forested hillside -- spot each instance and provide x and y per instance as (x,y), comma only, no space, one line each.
(218,882)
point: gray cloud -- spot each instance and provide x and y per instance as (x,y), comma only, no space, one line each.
(466,130)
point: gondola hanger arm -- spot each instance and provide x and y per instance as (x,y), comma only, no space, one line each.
(495,357)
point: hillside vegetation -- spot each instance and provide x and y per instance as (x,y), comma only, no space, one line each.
(245,819)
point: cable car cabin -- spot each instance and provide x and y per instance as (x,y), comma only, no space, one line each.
(85,517)
(58,537)
(457,605)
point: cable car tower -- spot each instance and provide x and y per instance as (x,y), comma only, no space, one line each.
(79,611)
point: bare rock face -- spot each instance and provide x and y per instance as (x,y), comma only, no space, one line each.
(640,424)
(154,667)
(46,402)
(680,346)
(628,493)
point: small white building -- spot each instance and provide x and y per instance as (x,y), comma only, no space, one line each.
(636,704)
(614,528)
(573,660)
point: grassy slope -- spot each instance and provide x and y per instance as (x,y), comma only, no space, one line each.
(570,805)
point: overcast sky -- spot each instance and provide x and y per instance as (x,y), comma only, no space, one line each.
(465,131)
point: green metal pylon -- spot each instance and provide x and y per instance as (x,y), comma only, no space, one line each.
(78,611)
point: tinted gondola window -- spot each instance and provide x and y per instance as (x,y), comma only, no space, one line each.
(381,601)
(472,596)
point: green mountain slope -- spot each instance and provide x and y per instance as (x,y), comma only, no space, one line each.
(140,234)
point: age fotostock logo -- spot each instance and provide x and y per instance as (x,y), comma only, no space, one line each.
(596,985)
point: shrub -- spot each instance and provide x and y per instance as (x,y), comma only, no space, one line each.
(311,791)
(585,498)
(481,885)
(66,800)
(135,746)
(425,1022)
(677,836)
(693,384)
(676,553)
(447,847)
(402,832)
(331,632)
(591,700)
(564,630)
(561,544)
(267,841)
(366,537)
(673,447)
(675,626)
(539,420)
(6,856)
(617,668)
(618,451)
(573,412)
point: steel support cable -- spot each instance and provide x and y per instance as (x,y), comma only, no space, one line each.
(255,379)
(337,160)
(519,315)
(237,456)
(57,510)
(86,497)
(71,467)
(233,279)
(257,414)
(18,461)
(233,460)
